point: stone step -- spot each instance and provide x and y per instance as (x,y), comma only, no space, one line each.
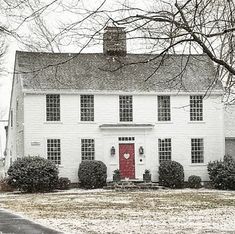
(130,185)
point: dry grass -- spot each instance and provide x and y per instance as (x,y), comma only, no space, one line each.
(165,211)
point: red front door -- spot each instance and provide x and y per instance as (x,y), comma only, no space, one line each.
(127,160)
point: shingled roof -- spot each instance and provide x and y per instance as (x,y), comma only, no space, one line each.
(130,73)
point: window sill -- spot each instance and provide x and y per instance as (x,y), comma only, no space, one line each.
(197,164)
(196,122)
(53,122)
(87,122)
(164,122)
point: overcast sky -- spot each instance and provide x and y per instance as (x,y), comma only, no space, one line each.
(54,18)
(51,16)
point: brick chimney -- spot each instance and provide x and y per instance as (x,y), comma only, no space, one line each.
(114,41)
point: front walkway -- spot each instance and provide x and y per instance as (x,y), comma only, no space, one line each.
(14,224)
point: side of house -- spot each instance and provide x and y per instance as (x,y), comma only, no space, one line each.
(15,130)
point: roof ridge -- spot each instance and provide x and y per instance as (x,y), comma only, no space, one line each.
(128,54)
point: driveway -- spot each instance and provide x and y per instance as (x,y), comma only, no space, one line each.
(14,224)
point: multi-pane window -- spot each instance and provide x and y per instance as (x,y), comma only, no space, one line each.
(53,107)
(54,150)
(164,149)
(88,149)
(196,108)
(197,150)
(87,107)
(125,108)
(11,118)
(126,138)
(164,108)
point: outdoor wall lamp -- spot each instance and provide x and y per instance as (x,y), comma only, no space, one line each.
(141,150)
(112,151)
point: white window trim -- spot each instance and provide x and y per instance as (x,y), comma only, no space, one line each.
(61,149)
(204,151)
(79,109)
(45,110)
(125,122)
(164,121)
(203,111)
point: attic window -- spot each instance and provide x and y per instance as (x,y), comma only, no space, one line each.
(196,108)
(125,109)
(53,107)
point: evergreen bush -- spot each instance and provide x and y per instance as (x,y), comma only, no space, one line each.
(171,174)
(92,174)
(33,174)
(194,181)
(63,183)
(222,173)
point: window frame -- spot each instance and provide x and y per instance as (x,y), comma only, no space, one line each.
(57,150)
(163,111)
(11,118)
(197,158)
(91,108)
(88,154)
(196,108)
(166,153)
(53,113)
(125,112)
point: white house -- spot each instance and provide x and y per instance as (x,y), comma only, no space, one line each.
(130,111)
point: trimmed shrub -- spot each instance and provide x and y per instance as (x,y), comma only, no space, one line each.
(194,181)
(4,185)
(63,183)
(116,175)
(222,173)
(92,174)
(171,174)
(33,174)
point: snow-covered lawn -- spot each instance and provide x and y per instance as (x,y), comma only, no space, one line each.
(102,211)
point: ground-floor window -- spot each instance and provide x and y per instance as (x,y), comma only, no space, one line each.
(197,150)
(54,150)
(230,147)
(164,149)
(88,149)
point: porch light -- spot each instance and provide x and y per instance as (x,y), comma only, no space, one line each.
(141,150)
(112,151)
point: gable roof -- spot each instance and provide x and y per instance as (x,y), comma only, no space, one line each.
(130,73)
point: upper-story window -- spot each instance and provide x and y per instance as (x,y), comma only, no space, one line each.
(164,108)
(197,150)
(54,150)
(53,107)
(87,107)
(125,108)
(196,108)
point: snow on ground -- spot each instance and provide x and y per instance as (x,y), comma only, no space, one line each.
(184,211)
